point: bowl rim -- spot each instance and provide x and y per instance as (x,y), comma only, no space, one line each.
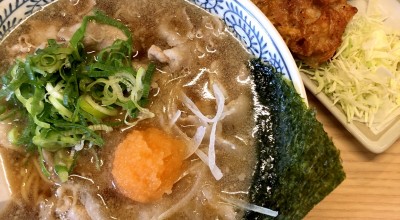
(279,44)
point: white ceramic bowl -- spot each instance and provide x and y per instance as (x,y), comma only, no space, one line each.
(245,20)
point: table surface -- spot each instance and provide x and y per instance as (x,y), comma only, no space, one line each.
(371,189)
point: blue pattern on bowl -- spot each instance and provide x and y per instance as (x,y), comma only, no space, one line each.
(247,23)
(244,25)
(13,12)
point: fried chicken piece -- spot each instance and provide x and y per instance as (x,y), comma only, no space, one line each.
(312,29)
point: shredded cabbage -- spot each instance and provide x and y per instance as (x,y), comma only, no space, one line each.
(363,77)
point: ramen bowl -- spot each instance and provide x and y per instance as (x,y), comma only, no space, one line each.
(244,20)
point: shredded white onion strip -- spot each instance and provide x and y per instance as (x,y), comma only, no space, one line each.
(203,156)
(211,147)
(216,172)
(190,104)
(210,158)
(250,207)
(181,203)
(175,118)
(197,139)
(220,99)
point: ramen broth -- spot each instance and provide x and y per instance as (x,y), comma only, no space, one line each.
(193,51)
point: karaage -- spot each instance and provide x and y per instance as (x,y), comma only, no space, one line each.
(312,29)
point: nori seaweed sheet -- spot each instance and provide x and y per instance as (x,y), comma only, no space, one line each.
(298,165)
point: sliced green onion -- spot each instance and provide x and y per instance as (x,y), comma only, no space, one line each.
(8,114)
(61,108)
(64,93)
(53,91)
(13,135)
(87,104)
(41,163)
(100,127)
(40,123)
(62,172)
(147,79)
(19,96)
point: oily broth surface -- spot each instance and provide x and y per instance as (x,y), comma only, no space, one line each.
(222,60)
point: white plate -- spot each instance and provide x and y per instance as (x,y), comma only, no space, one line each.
(375,139)
(376,142)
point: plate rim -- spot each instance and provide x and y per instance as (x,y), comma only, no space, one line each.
(383,141)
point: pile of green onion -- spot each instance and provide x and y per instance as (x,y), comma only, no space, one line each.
(63,95)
